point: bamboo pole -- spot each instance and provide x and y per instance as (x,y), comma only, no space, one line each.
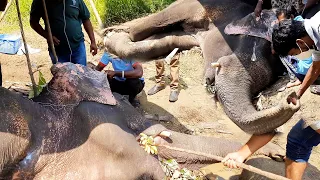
(46,20)
(96,14)
(26,49)
(5,11)
(241,165)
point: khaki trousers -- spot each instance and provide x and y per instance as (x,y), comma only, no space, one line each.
(174,72)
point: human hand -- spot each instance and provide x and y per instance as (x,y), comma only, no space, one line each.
(93,49)
(110,74)
(55,40)
(231,159)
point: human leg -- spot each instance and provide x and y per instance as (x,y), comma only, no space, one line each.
(61,58)
(79,56)
(117,86)
(133,87)
(300,142)
(174,75)
(160,83)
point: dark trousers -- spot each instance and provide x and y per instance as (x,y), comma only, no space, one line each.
(130,87)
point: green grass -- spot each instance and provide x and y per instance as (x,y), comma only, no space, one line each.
(111,12)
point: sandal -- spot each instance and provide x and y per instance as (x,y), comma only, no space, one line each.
(315,89)
(295,83)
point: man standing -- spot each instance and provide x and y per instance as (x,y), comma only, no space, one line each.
(65,18)
(292,38)
(126,77)
(160,83)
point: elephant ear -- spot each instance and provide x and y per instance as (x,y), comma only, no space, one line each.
(74,82)
(253,26)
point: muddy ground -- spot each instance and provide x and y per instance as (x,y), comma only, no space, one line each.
(195,112)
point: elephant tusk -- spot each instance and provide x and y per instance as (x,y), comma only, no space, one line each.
(165,134)
(215,65)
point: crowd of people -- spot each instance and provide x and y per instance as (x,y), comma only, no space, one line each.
(295,39)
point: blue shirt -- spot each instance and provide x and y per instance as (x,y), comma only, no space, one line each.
(118,65)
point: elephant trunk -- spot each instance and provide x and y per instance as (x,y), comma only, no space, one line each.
(236,99)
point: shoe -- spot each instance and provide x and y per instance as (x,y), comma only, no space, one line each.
(156,88)
(173,96)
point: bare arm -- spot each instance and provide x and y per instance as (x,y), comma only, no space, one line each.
(254,143)
(137,72)
(35,25)
(89,29)
(312,74)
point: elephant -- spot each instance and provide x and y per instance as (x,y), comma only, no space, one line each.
(0,76)
(245,63)
(77,129)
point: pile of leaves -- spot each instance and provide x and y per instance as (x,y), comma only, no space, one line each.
(170,167)
(174,172)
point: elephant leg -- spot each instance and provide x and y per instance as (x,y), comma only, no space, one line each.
(168,145)
(187,14)
(15,135)
(0,75)
(153,47)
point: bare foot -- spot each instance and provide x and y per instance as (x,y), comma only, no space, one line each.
(292,84)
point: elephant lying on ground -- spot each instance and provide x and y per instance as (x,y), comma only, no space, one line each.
(246,64)
(76,129)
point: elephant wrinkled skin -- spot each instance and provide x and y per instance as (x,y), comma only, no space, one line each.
(247,65)
(68,132)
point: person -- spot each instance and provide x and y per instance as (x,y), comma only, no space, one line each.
(174,75)
(292,38)
(126,78)
(297,66)
(65,18)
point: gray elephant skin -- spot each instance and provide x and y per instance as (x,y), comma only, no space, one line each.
(247,65)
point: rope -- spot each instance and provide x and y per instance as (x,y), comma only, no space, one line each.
(218,158)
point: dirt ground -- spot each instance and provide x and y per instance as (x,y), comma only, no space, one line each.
(195,112)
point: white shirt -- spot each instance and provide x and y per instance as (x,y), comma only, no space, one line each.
(312,27)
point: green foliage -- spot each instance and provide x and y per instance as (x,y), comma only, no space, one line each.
(119,11)
(110,11)
(41,84)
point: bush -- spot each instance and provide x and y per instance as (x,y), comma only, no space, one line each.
(119,11)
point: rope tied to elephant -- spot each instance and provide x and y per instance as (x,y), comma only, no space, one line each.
(219,158)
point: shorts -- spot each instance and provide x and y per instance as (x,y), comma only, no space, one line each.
(300,142)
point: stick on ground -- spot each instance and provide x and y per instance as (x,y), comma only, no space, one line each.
(26,49)
(241,165)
